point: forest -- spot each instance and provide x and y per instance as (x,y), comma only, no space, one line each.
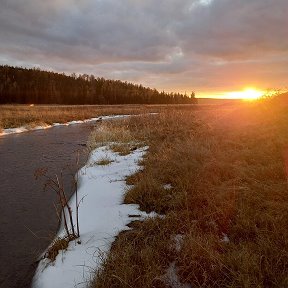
(34,86)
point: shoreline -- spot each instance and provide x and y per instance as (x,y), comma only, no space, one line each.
(103,203)
(26,128)
(100,192)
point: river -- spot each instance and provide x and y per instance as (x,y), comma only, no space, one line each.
(27,214)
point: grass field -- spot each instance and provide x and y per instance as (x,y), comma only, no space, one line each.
(219,176)
(12,116)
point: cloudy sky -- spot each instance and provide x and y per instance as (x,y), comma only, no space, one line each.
(208,46)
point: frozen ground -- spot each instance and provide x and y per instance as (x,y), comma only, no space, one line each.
(101,216)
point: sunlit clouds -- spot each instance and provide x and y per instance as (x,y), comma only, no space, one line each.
(176,45)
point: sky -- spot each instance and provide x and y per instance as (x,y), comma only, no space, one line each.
(206,46)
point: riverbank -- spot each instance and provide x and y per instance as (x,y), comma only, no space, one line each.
(28,117)
(102,216)
(219,178)
(31,127)
(19,118)
(31,116)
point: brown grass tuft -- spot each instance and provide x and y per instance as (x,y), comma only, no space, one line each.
(109,133)
(57,245)
(125,148)
(103,161)
(150,236)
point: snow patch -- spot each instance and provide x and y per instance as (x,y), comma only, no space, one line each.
(167,186)
(178,240)
(171,278)
(13,130)
(101,217)
(225,238)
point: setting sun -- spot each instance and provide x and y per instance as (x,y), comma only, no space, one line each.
(251,94)
(247,94)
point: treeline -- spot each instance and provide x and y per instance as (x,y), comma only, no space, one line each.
(27,86)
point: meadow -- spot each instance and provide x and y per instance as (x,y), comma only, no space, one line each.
(218,179)
(17,115)
(12,116)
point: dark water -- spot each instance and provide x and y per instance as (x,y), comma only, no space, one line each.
(27,214)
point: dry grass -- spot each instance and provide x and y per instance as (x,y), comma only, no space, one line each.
(104,161)
(109,133)
(124,148)
(20,115)
(116,135)
(153,257)
(12,116)
(228,173)
(58,244)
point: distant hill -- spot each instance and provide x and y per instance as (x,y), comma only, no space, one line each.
(26,86)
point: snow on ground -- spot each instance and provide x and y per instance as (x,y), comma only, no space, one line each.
(171,278)
(101,216)
(27,128)
(178,241)
(168,186)
(225,238)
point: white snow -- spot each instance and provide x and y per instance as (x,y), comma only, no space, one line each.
(171,278)
(13,130)
(101,216)
(225,238)
(168,186)
(178,241)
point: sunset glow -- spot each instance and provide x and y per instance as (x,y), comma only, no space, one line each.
(246,94)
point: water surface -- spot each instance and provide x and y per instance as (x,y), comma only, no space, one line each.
(27,214)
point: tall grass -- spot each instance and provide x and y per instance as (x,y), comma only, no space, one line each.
(12,116)
(19,115)
(228,201)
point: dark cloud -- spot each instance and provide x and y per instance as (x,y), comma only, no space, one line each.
(169,44)
(236,29)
